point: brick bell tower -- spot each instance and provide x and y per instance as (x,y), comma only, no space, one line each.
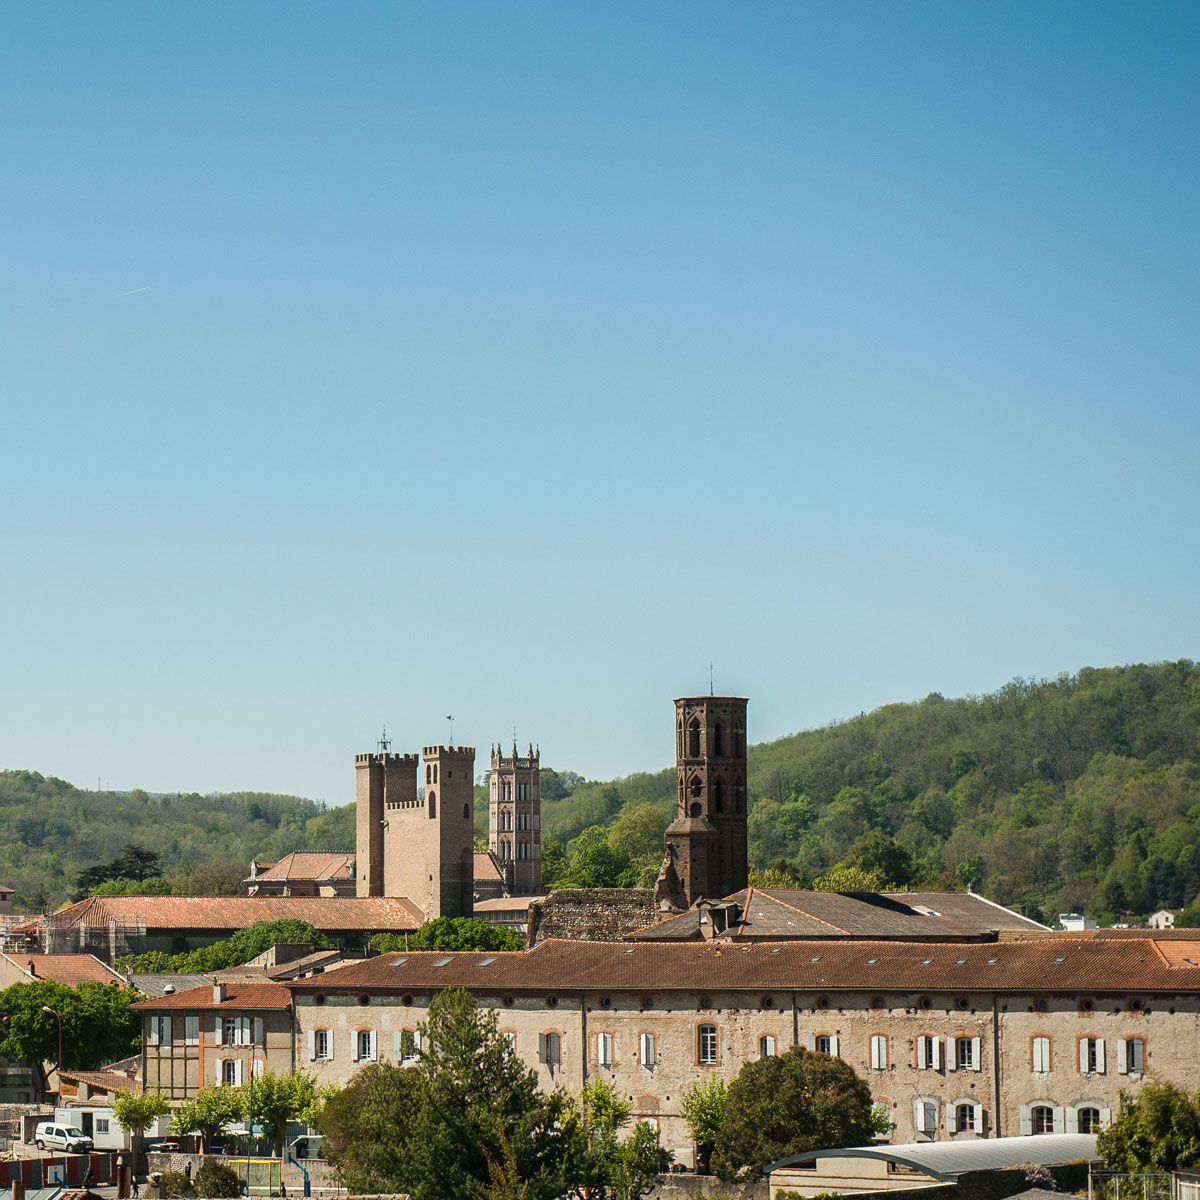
(515,819)
(707,839)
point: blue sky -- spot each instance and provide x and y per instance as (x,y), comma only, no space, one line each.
(370,363)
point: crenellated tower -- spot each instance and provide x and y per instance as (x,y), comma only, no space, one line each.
(515,819)
(382,782)
(442,851)
(707,839)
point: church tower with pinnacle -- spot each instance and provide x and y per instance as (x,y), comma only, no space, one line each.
(515,819)
(706,843)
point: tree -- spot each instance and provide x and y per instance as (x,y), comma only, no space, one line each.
(207,1113)
(452,933)
(434,1129)
(98,1025)
(877,854)
(786,1104)
(703,1108)
(596,863)
(136,1112)
(277,1100)
(1156,1130)
(217,1180)
(628,1167)
(135,863)
(848,879)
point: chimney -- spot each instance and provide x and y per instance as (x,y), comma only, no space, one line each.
(218,992)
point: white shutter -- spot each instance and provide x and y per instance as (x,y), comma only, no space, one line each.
(1071,1121)
(979,1119)
(256,1066)
(919,1116)
(833,1045)
(218,1028)
(220,1071)
(938,1056)
(153,1026)
(237,1073)
(951,1127)
(1100,1056)
(812,1042)
(951,1054)
(1058,1118)
(647,1049)
(1026,1120)
(397,1046)
(166,1029)
(371,1048)
(976,1054)
(354,1045)
(312,1045)
(244,1030)
(256,1032)
(921,1040)
(417,1040)
(541,1047)
(329,1044)
(1105,1118)
(1083,1058)
(1122,1057)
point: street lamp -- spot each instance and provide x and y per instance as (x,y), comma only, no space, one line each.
(58,1017)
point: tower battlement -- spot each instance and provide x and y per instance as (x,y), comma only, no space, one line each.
(448,752)
(386,760)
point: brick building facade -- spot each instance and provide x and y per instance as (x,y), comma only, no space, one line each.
(515,819)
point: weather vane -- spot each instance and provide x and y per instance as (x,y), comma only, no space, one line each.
(384,744)
(451,720)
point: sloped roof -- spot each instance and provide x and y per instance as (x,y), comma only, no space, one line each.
(486,869)
(366,914)
(1054,965)
(70,969)
(238,995)
(795,913)
(948,1160)
(109,1081)
(309,864)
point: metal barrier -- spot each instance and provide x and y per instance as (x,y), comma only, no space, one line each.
(259,1176)
(1115,1185)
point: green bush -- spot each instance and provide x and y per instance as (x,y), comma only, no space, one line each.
(177,1184)
(216,1180)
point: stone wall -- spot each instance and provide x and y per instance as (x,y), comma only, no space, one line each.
(591,914)
(684,1187)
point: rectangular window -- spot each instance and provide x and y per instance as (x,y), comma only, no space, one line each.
(510,1040)
(320,1044)
(646,1049)
(964,1118)
(879,1052)
(366,1045)
(766,1046)
(230,1075)
(229,1031)
(964,1053)
(1091,1056)
(191,1030)
(101,1124)
(1041,1055)
(706,1045)
(929,1053)
(1131,1056)
(604,1049)
(823,1043)
(550,1049)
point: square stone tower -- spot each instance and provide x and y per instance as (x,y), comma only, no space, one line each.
(515,819)
(439,853)
(707,839)
(382,781)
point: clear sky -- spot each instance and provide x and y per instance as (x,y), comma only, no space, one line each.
(367,363)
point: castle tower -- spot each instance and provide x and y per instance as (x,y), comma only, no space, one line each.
(383,782)
(515,819)
(439,859)
(707,839)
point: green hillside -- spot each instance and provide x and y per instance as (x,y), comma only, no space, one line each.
(1078,793)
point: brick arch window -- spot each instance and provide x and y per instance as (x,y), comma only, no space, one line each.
(693,738)
(695,787)
(432,798)
(706,1044)
(679,739)
(466,812)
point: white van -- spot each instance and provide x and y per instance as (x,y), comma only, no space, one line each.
(53,1135)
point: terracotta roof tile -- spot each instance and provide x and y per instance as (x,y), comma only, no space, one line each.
(1049,965)
(237,996)
(108,1080)
(70,969)
(307,864)
(486,869)
(373,914)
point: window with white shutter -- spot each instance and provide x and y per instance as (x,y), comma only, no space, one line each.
(766,1046)
(1040,1055)
(646,1050)
(191,1030)
(604,1049)
(879,1052)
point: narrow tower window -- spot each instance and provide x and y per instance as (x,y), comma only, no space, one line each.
(432,805)
(718,746)
(694,738)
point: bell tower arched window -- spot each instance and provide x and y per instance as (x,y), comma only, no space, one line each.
(693,738)
(718,740)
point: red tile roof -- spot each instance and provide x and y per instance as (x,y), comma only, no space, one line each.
(305,864)
(108,1081)
(237,996)
(373,914)
(70,969)
(1048,965)
(486,869)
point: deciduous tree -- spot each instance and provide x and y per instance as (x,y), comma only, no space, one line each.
(207,1113)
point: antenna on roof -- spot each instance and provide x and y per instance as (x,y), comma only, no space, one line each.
(710,681)
(384,744)
(451,720)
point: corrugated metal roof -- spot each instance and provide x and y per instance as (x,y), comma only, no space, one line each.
(948,1160)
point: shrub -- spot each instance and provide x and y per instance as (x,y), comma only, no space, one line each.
(214,1179)
(177,1183)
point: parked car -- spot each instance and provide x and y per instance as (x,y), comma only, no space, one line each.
(164,1145)
(50,1135)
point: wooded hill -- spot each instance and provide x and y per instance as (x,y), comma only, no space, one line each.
(1080,793)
